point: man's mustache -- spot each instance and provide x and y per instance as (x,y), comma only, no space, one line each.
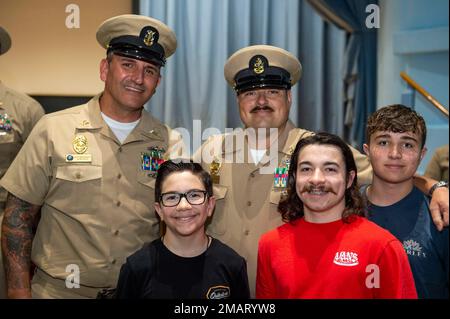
(322,188)
(261,108)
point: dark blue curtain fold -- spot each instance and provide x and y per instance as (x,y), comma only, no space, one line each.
(361,62)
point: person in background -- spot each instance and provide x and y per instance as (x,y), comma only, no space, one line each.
(185,262)
(327,249)
(437,167)
(19,113)
(396,144)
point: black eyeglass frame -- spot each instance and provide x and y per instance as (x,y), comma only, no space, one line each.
(185,195)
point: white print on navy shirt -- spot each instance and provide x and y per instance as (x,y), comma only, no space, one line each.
(346,258)
(413,248)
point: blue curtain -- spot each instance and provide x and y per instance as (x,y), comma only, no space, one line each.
(360,62)
(208,32)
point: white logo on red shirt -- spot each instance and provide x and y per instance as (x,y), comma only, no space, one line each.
(346,258)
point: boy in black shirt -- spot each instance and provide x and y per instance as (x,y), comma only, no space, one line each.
(185,262)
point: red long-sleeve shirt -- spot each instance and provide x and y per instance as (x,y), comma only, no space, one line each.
(332,260)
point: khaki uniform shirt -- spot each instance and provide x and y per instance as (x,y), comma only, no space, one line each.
(247,200)
(95,213)
(438,166)
(24,113)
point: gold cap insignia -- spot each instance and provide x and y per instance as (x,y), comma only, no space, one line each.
(80,144)
(149,38)
(258,67)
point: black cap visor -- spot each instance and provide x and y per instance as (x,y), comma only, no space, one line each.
(273,77)
(133,47)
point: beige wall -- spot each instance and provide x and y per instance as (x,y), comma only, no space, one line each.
(47,58)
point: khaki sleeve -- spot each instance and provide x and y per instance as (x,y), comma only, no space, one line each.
(433,168)
(28,177)
(363,166)
(33,115)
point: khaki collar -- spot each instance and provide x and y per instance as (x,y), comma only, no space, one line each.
(148,127)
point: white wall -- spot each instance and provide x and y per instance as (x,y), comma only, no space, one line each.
(413,37)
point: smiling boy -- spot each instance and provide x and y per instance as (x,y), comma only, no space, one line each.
(396,145)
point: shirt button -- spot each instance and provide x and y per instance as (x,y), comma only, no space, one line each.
(249,203)
(118,203)
(78,175)
(116,233)
(113,261)
(119,176)
(246,232)
(120,149)
(252,175)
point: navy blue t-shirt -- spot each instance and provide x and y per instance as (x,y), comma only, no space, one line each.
(410,221)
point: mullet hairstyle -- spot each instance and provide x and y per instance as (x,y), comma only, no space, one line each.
(291,208)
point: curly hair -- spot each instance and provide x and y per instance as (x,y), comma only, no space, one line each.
(291,208)
(397,118)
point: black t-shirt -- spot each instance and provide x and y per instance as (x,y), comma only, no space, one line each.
(156,272)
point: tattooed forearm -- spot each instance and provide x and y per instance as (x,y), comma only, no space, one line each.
(19,223)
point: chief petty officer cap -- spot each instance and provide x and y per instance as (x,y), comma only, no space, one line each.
(138,37)
(262,66)
(5,41)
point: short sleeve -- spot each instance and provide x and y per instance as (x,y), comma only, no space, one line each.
(396,279)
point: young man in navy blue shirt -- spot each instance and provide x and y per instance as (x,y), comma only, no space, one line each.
(396,144)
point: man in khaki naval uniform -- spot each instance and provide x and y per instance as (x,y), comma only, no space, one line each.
(247,194)
(18,114)
(437,168)
(91,170)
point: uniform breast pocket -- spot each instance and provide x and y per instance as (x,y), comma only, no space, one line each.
(276,196)
(145,192)
(9,147)
(6,137)
(76,189)
(144,198)
(218,223)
